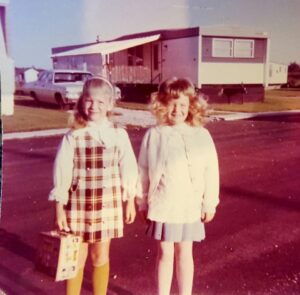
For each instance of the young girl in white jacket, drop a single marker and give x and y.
(179, 174)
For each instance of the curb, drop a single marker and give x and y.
(31, 134)
(240, 116)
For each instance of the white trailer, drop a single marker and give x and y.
(228, 63)
(278, 75)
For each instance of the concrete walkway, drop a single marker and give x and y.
(139, 116)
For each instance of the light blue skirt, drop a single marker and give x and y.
(176, 232)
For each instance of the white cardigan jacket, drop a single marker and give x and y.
(205, 171)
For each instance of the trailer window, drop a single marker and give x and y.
(63, 77)
(139, 56)
(243, 48)
(136, 56)
(239, 48)
(222, 47)
(130, 56)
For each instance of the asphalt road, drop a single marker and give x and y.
(252, 246)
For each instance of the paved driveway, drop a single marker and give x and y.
(252, 246)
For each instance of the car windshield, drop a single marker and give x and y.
(71, 77)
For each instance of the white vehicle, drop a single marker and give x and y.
(118, 93)
(63, 87)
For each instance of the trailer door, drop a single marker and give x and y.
(156, 63)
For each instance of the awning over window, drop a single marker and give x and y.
(108, 47)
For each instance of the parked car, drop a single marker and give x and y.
(57, 86)
(118, 94)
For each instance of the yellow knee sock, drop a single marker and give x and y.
(73, 285)
(100, 279)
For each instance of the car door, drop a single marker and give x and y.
(49, 90)
(38, 86)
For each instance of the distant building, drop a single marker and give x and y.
(6, 66)
(278, 74)
(25, 75)
(228, 63)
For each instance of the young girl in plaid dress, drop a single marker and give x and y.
(180, 180)
(95, 169)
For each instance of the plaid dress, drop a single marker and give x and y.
(94, 209)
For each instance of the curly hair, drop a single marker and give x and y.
(79, 118)
(171, 89)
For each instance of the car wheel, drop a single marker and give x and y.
(34, 96)
(60, 101)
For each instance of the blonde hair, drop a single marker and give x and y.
(79, 118)
(171, 89)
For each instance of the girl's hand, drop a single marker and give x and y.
(130, 212)
(61, 218)
(207, 217)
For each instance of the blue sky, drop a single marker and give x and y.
(35, 26)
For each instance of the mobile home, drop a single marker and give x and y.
(278, 75)
(7, 74)
(228, 63)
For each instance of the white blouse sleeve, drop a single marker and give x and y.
(63, 170)
(144, 181)
(128, 167)
(211, 177)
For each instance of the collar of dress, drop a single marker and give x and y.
(182, 128)
(102, 132)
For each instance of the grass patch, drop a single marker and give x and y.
(28, 117)
(275, 100)
(284, 93)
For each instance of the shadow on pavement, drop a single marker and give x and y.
(14, 280)
(14, 244)
(28, 154)
(281, 203)
(292, 118)
(276, 271)
(87, 285)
